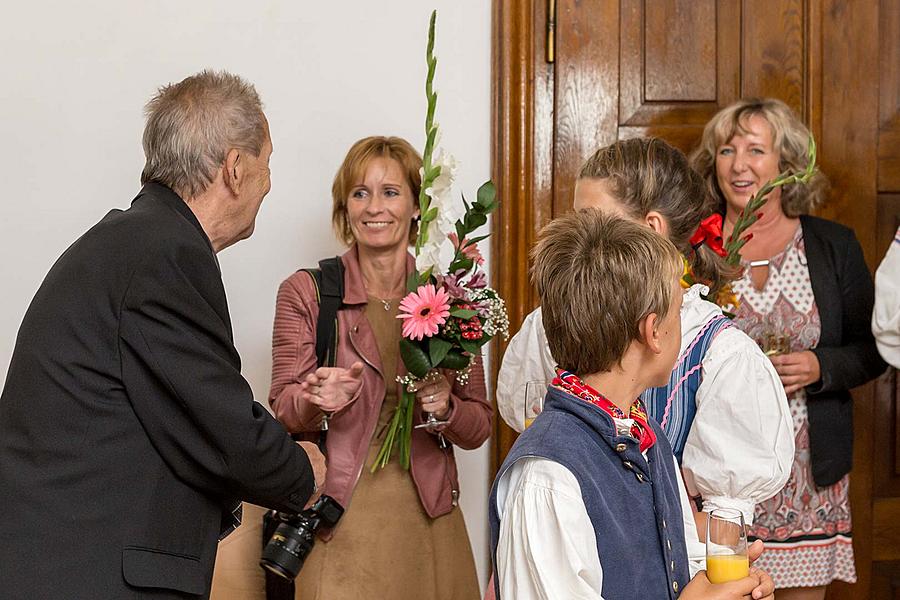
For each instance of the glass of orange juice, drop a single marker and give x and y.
(726, 546)
(534, 400)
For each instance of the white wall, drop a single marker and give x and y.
(74, 78)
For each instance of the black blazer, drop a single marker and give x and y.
(844, 293)
(126, 429)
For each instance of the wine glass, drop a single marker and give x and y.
(776, 338)
(534, 400)
(726, 546)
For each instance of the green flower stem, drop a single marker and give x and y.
(399, 433)
(750, 214)
(409, 400)
(429, 171)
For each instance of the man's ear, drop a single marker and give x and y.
(233, 171)
(657, 223)
(649, 330)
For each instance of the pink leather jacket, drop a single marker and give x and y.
(293, 356)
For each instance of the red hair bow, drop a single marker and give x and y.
(710, 233)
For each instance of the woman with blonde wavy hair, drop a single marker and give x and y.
(806, 297)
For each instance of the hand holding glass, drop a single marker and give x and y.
(776, 338)
(726, 546)
(534, 400)
(431, 421)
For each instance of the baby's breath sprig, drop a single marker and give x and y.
(750, 214)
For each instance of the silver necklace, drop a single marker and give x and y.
(387, 304)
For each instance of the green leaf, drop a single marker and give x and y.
(461, 263)
(471, 346)
(414, 358)
(474, 221)
(438, 349)
(429, 142)
(475, 240)
(460, 230)
(431, 215)
(412, 282)
(455, 360)
(463, 313)
(486, 193)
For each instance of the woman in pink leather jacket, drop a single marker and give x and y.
(402, 535)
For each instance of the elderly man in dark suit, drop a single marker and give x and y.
(127, 434)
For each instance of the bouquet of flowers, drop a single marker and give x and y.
(449, 313)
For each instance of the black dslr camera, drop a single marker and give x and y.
(295, 535)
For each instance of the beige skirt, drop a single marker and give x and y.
(385, 546)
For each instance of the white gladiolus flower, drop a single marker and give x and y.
(429, 255)
(438, 252)
(441, 195)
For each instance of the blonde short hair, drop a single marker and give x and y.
(598, 276)
(790, 139)
(351, 171)
(191, 126)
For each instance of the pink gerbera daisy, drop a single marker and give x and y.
(425, 310)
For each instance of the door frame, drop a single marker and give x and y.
(522, 139)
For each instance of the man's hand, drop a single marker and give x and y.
(332, 388)
(796, 369)
(317, 460)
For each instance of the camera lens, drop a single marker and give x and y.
(286, 551)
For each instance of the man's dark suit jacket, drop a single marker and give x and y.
(126, 429)
(844, 292)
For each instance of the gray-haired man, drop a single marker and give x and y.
(127, 433)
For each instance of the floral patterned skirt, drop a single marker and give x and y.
(806, 529)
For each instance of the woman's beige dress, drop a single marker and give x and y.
(385, 546)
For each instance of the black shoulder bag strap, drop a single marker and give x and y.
(329, 280)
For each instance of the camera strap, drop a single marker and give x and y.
(329, 282)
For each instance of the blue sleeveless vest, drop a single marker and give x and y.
(633, 503)
(674, 405)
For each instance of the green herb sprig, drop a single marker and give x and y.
(750, 214)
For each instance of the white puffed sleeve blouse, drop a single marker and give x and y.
(741, 444)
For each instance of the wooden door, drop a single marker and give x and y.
(573, 75)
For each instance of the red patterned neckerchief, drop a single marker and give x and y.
(640, 429)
